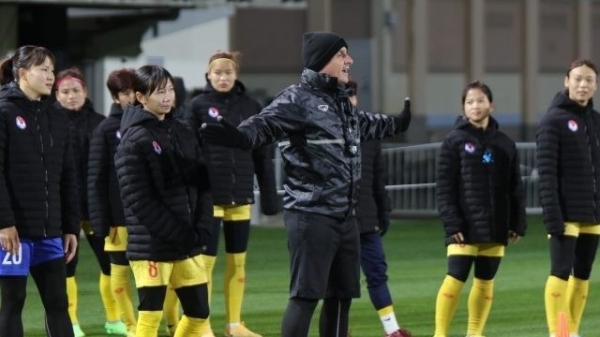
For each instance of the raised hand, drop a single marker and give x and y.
(223, 133)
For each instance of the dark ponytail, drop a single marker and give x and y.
(6, 72)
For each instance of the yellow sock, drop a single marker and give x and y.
(72, 296)
(171, 307)
(110, 306)
(480, 304)
(209, 266)
(555, 298)
(121, 287)
(446, 303)
(235, 281)
(189, 326)
(148, 323)
(577, 293)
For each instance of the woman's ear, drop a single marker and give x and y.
(139, 97)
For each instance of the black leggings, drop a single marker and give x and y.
(236, 235)
(194, 299)
(49, 277)
(573, 254)
(97, 244)
(486, 267)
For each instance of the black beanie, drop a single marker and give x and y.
(319, 47)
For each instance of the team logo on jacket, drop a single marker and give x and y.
(156, 147)
(118, 134)
(21, 123)
(572, 125)
(213, 112)
(469, 147)
(323, 107)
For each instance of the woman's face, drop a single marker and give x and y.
(38, 80)
(160, 102)
(71, 93)
(582, 83)
(477, 107)
(125, 97)
(222, 75)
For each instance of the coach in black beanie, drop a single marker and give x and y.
(319, 47)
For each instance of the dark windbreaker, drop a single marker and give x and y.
(164, 188)
(479, 190)
(38, 188)
(321, 134)
(568, 161)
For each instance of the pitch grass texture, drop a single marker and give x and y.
(417, 265)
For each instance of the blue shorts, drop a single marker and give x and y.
(31, 253)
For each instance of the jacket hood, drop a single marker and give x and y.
(462, 123)
(115, 110)
(135, 115)
(562, 101)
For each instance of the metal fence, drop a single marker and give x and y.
(411, 178)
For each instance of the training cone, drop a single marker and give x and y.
(562, 327)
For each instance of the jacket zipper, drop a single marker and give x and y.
(42, 158)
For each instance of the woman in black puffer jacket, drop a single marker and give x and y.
(232, 174)
(38, 192)
(167, 203)
(481, 204)
(568, 159)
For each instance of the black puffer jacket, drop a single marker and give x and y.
(104, 198)
(38, 188)
(164, 188)
(479, 190)
(321, 136)
(83, 123)
(374, 202)
(568, 160)
(232, 170)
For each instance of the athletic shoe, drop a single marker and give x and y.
(77, 332)
(400, 333)
(239, 331)
(115, 328)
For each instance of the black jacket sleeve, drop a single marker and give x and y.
(447, 190)
(98, 183)
(547, 152)
(518, 222)
(7, 217)
(69, 191)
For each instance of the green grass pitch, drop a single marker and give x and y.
(417, 264)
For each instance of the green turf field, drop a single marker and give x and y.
(416, 259)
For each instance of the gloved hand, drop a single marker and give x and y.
(188, 242)
(224, 134)
(384, 222)
(269, 205)
(403, 120)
